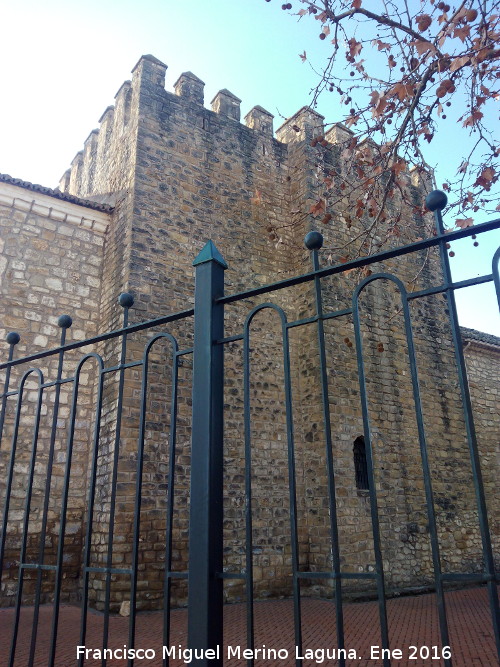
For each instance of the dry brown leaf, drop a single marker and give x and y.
(463, 223)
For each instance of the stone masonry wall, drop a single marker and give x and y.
(200, 174)
(177, 175)
(51, 255)
(482, 359)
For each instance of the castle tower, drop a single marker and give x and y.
(173, 174)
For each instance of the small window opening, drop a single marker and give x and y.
(360, 464)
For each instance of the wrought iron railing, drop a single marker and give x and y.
(205, 573)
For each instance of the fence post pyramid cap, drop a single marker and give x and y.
(209, 253)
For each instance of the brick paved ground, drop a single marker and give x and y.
(412, 622)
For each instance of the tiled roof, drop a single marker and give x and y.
(479, 336)
(5, 178)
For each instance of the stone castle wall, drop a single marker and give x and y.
(178, 174)
(482, 358)
(50, 265)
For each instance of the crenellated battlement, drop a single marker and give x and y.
(189, 86)
(260, 119)
(106, 163)
(119, 122)
(203, 165)
(302, 126)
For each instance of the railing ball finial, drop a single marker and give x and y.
(64, 322)
(436, 200)
(13, 338)
(126, 300)
(313, 241)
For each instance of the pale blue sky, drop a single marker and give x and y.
(62, 63)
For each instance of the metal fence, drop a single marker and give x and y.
(205, 573)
